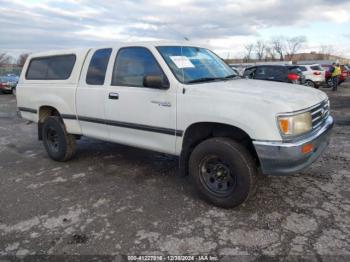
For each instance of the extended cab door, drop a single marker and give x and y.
(137, 114)
(91, 93)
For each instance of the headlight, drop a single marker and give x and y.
(295, 124)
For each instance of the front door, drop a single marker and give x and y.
(138, 115)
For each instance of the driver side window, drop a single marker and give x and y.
(132, 65)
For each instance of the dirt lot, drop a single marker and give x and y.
(113, 199)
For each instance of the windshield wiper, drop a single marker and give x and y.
(204, 79)
(207, 79)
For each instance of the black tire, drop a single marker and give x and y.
(59, 145)
(235, 170)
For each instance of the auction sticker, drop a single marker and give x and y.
(182, 61)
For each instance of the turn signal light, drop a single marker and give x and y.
(284, 125)
(307, 148)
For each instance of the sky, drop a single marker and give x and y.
(225, 26)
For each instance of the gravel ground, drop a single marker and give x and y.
(113, 200)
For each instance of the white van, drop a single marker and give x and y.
(177, 99)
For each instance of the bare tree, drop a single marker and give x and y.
(270, 53)
(22, 59)
(293, 45)
(249, 49)
(260, 47)
(4, 59)
(279, 46)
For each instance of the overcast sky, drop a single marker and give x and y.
(225, 25)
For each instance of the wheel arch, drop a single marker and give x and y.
(44, 112)
(198, 132)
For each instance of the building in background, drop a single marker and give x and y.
(317, 58)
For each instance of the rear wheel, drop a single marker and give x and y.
(224, 172)
(59, 145)
(310, 83)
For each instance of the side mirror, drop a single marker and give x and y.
(155, 81)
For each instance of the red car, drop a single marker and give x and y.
(345, 73)
(8, 84)
(347, 68)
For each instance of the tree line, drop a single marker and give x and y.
(282, 48)
(6, 59)
(276, 49)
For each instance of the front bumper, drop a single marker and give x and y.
(283, 158)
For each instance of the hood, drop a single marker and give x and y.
(293, 97)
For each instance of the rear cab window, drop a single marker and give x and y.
(96, 73)
(51, 67)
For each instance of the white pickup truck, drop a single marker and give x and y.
(181, 100)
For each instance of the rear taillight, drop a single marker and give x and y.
(317, 73)
(293, 77)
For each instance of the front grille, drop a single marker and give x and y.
(319, 114)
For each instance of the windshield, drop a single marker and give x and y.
(194, 64)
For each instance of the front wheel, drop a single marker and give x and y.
(224, 172)
(59, 145)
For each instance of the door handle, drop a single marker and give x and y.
(113, 96)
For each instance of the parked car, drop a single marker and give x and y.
(328, 75)
(278, 73)
(8, 84)
(348, 69)
(179, 100)
(314, 75)
(345, 73)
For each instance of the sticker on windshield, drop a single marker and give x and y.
(182, 62)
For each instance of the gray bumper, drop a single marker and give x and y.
(283, 158)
